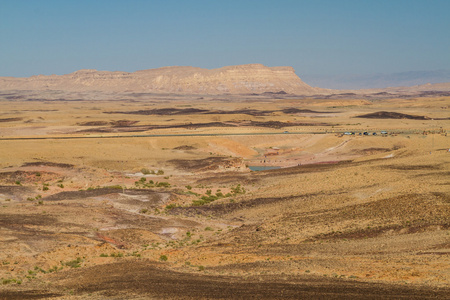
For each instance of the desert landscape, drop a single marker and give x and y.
(236, 183)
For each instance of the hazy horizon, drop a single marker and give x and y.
(330, 44)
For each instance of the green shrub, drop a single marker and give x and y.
(118, 254)
(163, 258)
(238, 190)
(199, 202)
(210, 198)
(114, 187)
(189, 187)
(76, 263)
(170, 206)
(145, 171)
(160, 172)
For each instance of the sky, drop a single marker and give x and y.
(330, 43)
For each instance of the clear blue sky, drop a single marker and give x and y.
(316, 37)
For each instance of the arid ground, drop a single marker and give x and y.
(141, 196)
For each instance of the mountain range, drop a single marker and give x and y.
(250, 79)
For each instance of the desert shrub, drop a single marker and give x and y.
(60, 185)
(163, 258)
(18, 182)
(12, 280)
(170, 206)
(76, 263)
(199, 202)
(103, 255)
(163, 184)
(160, 172)
(136, 254)
(143, 211)
(208, 229)
(118, 254)
(36, 268)
(145, 171)
(210, 198)
(54, 269)
(114, 187)
(238, 190)
(189, 187)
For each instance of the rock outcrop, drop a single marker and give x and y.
(241, 79)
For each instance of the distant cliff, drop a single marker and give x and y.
(241, 79)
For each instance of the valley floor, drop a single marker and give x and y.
(183, 217)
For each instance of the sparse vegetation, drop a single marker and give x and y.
(145, 171)
(76, 263)
(170, 206)
(163, 258)
(116, 254)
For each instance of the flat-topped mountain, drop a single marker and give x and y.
(241, 79)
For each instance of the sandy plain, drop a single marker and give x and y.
(84, 213)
